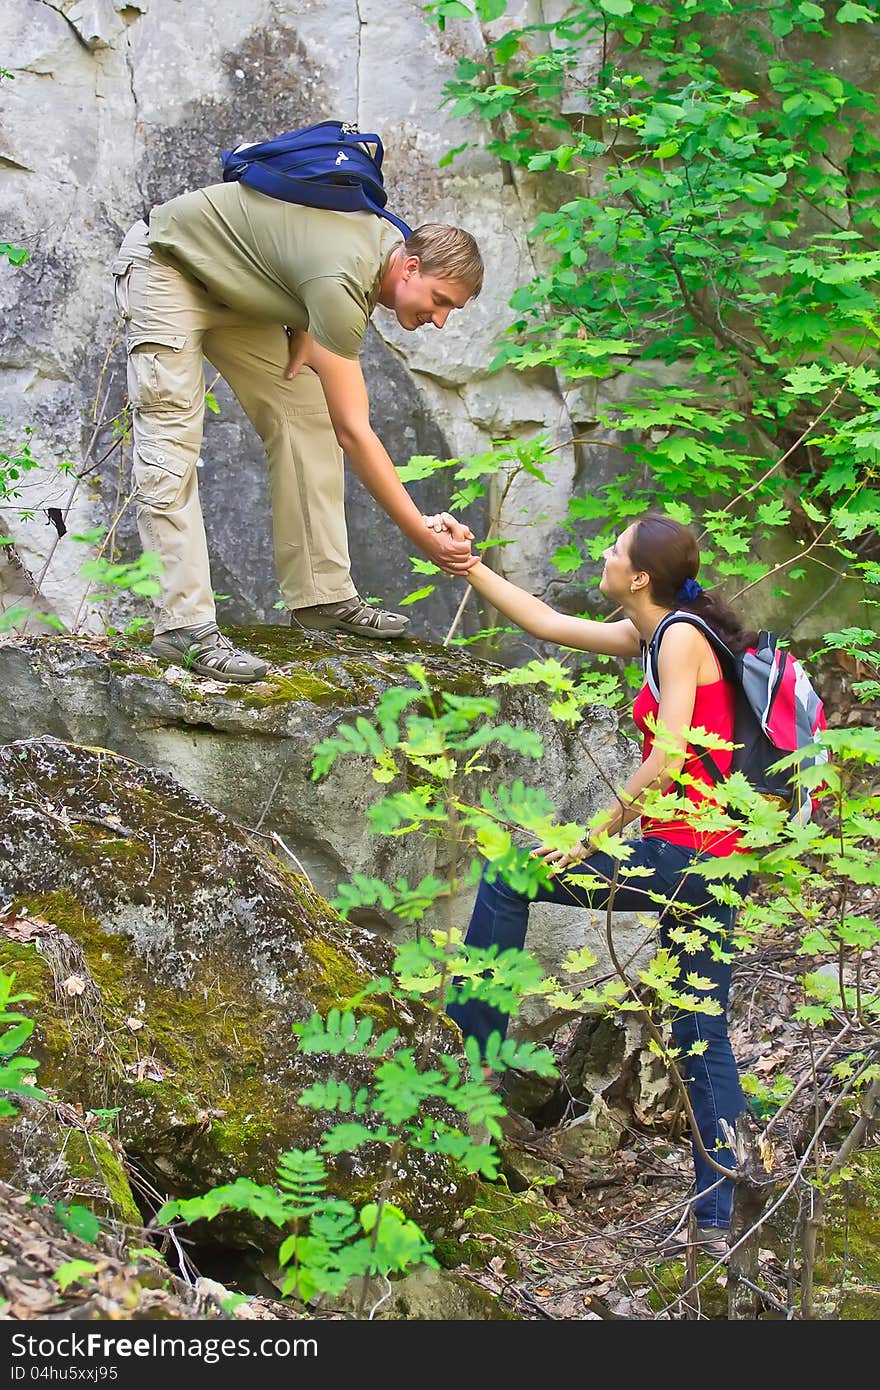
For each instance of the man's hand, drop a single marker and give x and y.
(299, 345)
(450, 538)
(452, 553)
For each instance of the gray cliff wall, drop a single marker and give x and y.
(112, 107)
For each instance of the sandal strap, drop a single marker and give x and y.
(214, 650)
(364, 614)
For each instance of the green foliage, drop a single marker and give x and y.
(415, 1098)
(330, 1243)
(15, 1070)
(15, 465)
(79, 1221)
(765, 1099)
(141, 576)
(725, 232)
(73, 1272)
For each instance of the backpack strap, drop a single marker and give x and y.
(334, 197)
(651, 665)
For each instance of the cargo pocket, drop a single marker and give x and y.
(159, 473)
(158, 373)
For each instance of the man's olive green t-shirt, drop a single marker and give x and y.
(276, 261)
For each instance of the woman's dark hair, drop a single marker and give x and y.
(669, 553)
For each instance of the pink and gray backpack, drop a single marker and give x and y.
(777, 712)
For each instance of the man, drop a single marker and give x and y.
(277, 296)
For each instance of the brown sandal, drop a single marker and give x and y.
(350, 615)
(206, 652)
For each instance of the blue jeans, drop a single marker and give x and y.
(500, 918)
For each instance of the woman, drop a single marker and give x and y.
(649, 572)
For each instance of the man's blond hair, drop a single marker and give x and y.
(449, 253)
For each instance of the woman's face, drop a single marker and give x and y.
(618, 574)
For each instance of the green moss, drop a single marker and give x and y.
(93, 843)
(32, 973)
(50, 1040)
(336, 980)
(92, 1159)
(665, 1283)
(138, 667)
(298, 688)
(859, 1305)
(195, 1034)
(501, 1214)
(850, 1246)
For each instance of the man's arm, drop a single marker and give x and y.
(346, 394)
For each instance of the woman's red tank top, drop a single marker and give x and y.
(713, 711)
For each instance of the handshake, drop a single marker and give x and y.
(448, 543)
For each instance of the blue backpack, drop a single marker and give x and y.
(327, 165)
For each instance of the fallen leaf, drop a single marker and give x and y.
(74, 984)
(147, 1069)
(771, 1062)
(25, 928)
(27, 1300)
(134, 1024)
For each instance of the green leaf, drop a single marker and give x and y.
(73, 1272)
(855, 14)
(417, 594)
(490, 9)
(79, 1221)
(14, 1038)
(567, 558)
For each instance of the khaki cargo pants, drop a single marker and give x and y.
(171, 323)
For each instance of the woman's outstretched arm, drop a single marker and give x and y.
(679, 661)
(538, 618)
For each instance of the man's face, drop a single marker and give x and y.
(421, 299)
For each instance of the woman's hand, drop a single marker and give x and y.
(560, 859)
(444, 521)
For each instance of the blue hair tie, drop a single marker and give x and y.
(689, 592)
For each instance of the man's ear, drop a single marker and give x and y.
(410, 265)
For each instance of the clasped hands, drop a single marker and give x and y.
(449, 543)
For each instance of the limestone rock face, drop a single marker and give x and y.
(169, 958)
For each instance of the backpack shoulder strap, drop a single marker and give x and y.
(651, 651)
(650, 661)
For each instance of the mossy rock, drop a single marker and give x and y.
(425, 1295)
(250, 750)
(167, 980)
(664, 1285)
(489, 1228)
(849, 1250)
(42, 1153)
